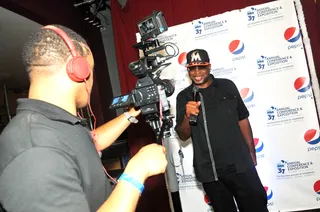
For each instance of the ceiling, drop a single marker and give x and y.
(14, 32)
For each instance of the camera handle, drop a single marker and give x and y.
(165, 128)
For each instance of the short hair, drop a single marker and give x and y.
(46, 48)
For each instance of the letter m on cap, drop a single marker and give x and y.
(195, 56)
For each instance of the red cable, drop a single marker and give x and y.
(94, 136)
(160, 117)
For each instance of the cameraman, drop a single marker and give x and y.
(48, 159)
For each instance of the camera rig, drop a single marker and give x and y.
(151, 92)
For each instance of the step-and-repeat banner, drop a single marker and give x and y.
(260, 48)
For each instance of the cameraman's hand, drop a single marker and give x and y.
(133, 112)
(150, 160)
(192, 108)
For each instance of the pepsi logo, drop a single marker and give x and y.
(182, 59)
(269, 192)
(302, 84)
(316, 187)
(292, 34)
(312, 136)
(207, 200)
(236, 47)
(246, 94)
(258, 144)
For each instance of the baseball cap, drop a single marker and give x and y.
(197, 57)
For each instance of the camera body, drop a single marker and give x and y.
(151, 92)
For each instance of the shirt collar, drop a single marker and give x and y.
(51, 111)
(214, 81)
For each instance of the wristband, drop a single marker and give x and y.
(132, 181)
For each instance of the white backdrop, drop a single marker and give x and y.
(260, 48)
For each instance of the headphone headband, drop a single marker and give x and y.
(78, 68)
(65, 38)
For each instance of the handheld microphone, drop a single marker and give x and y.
(193, 118)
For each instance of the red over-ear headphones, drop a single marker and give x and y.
(78, 68)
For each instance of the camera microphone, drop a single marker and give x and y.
(193, 118)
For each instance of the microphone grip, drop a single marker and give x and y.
(192, 119)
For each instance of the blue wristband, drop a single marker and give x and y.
(133, 181)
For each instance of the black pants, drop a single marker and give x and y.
(245, 188)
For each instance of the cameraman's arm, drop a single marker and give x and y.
(110, 131)
(149, 161)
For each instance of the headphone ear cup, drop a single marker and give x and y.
(78, 69)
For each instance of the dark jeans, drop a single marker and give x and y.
(246, 188)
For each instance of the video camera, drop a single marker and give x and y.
(151, 92)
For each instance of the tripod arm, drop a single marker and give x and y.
(165, 128)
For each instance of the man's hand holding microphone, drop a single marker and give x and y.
(192, 111)
(192, 107)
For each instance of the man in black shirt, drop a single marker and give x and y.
(224, 154)
(49, 159)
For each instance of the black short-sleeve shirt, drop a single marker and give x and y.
(48, 162)
(224, 109)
